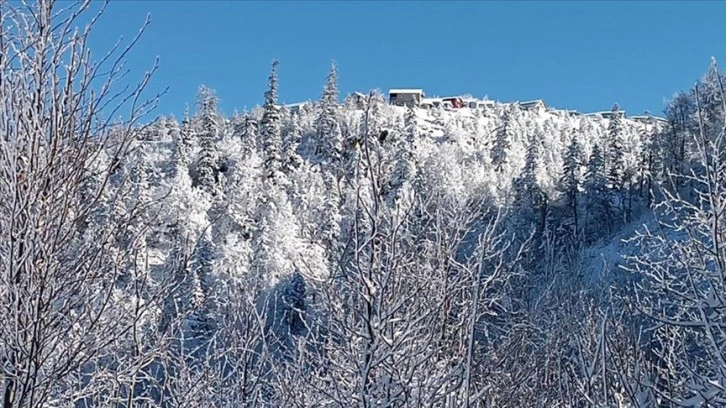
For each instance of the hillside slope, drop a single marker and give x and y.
(451, 153)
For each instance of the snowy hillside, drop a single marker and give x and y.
(452, 152)
(310, 209)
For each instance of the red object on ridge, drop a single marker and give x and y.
(455, 102)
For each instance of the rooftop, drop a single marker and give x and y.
(294, 105)
(399, 91)
(646, 117)
(607, 113)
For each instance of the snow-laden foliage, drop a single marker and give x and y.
(336, 254)
(344, 237)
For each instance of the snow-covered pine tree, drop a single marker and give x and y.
(177, 269)
(596, 189)
(615, 159)
(680, 112)
(271, 129)
(404, 167)
(187, 134)
(647, 161)
(529, 198)
(202, 319)
(180, 158)
(207, 166)
(328, 132)
(291, 160)
(250, 134)
(502, 141)
(293, 297)
(331, 218)
(571, 177)
(711, 102)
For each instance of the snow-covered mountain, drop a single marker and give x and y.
(273, 196)
(451, 151)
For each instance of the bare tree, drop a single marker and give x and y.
(681, 279)
(71, 330)
(233, 369)
(397, 319)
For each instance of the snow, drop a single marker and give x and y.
(262, 232)
(604, 258)
(406, 91)
(532, 103)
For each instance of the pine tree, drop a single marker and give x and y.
(404, 166)
(328, 132)
(647, 161)
(595, 180)
(711, 99)
(176, 267)
(202, 320)
(410, 123)
(680, 112)
(141, 190)
(616, 152)
(529, 197)
(180, 154)
(331, 218)
(502, 141)
(293, 297)
(271, 128)
(207, 176)
(250, 134)
(617, 172)
(187, 133)
(275, 226)
(330, 92)
(528, 180)
(207, 102)
(285, 315)
(596, 188)
(183, 140)
(291, 160)
(570, 180)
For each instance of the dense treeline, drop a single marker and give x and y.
(348, 254)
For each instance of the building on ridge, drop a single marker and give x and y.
(406, 97)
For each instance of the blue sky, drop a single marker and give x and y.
(578, 55)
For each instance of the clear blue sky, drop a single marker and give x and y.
(578, 55)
